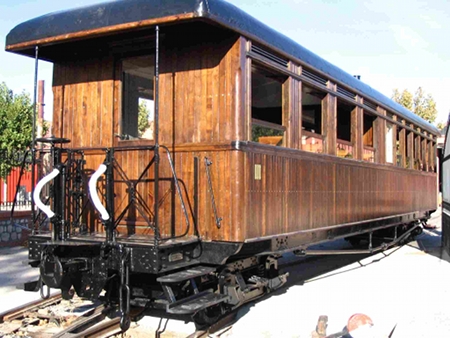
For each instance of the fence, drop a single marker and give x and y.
(10, 163)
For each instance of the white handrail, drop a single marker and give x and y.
(93, 192)
(37, 192)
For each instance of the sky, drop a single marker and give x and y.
(392, 44)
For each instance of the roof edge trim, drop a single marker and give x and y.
(100, 31)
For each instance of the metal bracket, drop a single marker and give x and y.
(124, 295)
(218, 219)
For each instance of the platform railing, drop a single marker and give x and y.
(70, 198)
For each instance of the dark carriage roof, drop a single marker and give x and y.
(129, 11)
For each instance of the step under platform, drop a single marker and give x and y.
(180, 276)
(195, 303)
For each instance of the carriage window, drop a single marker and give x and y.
(389, 143)
(312, 119)
(343, 129)
(369, 151)
(267, 106)
(137, 101)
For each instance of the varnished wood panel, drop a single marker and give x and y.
(411, 153)
(357, 129)
(201, 92)
(83, 102)
(329, 121)
(402, 145)
(379, 137)
(292, 115)
(308, 191)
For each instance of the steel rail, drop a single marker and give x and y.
(19, 311)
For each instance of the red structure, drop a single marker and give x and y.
(8, 190)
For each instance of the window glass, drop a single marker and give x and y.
(267, 106)
(398, 147)
(312, 109)
(138, 98)
(344, 147)
(344, 113)
(368, 151)
(312, 119)
(368, 129)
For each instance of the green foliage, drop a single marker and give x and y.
(143, 123)
(420, 103)
(16, 112)
(259, 131)
(440, 125)
(405, 98)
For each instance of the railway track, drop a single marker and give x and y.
(58, 318)
(55, 317)
(50, 318)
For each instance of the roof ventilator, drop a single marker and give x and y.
(370, 105)
(267, 55)
(346, 93)
(314, 77)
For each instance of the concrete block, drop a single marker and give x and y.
(18, 229)
(19, 236)
(10, 228)
(13, 236)
(2, 228)
(5, 237)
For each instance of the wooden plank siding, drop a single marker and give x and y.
(357, 130)
(200, 87)
(83, 102)
(205, 94)
(324, 191)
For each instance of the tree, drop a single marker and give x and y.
(143, 123)
(420, 103)
(16, 113)
(440, 125)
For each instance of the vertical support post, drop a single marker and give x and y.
(403, 145)
(329, 121)
(432, 155)
(248, 93)
(410, 140)
(379, 137)
(357, 130)
(33, 142)
(109, 224)
(425, 152)
(57, 195)
(196, 205)
(291, 111)
(395, 162)
(417, 151)
(64, 233)
(156, 149)
(298, 90)
(286, 99)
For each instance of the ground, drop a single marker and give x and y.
(405, 287)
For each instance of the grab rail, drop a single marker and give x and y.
(93, 192)
(37, 191)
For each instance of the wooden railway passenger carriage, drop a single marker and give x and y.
(223, 144)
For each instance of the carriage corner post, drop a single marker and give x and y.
(188, 82)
